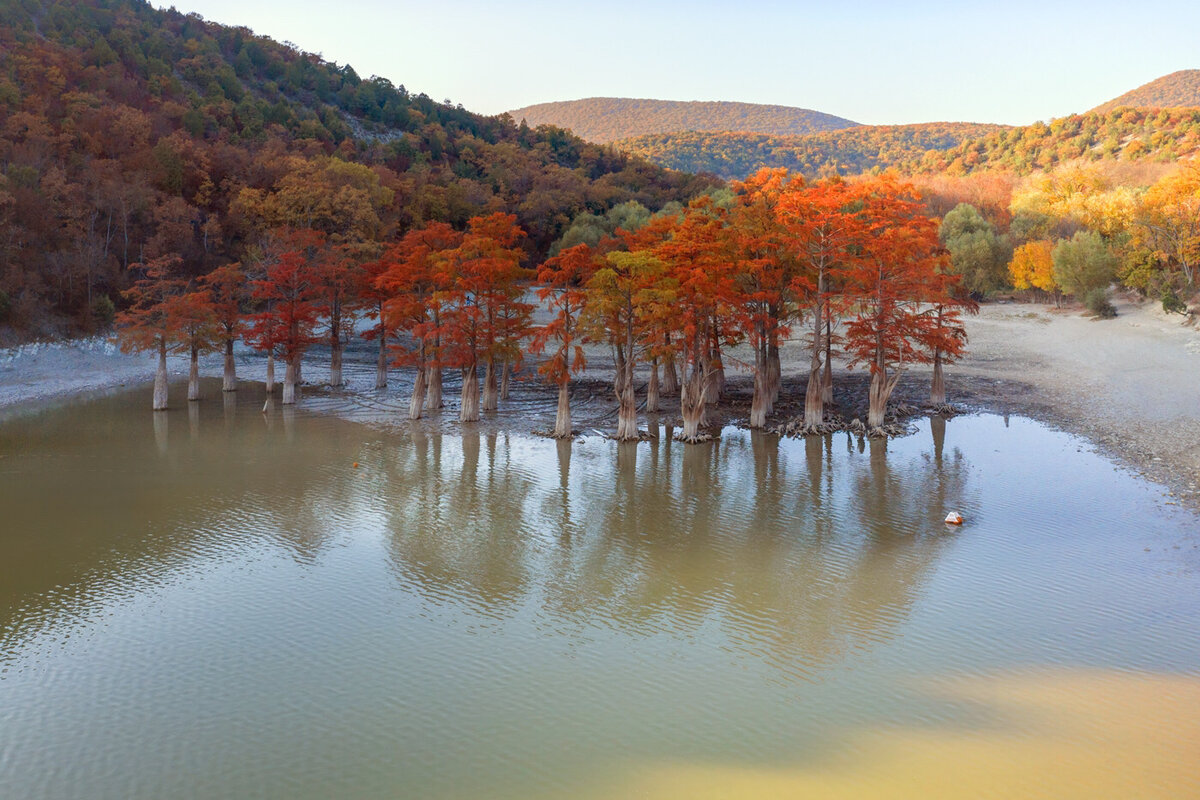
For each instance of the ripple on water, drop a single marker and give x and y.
(484, 614)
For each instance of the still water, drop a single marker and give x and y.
(215, 603)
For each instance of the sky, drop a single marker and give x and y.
(872, 62)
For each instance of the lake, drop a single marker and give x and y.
(214, 602)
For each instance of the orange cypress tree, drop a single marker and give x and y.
(562, 280)
(823, 222)
(483, 318)
(150, 322)
(893, 282)
(766, 270)
(408, 281)
(226, 286)
(291, 293)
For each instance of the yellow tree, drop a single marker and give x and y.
(1168, 222)
(1032, 267)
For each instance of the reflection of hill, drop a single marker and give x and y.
(797, 551)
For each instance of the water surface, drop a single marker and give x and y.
(214, 602)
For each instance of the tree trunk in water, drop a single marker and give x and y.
(416, 403)
(760, 405)
(335, 363)
(774, 372)
(937, 390)
(814, 408)
(827, 383)
(505, 372)
(880, 391)
(691, 403)
(469, 411)
(619, 376)
(652, 403)
(670, 385)
(160, 379)
(381, 364)
(270, 383)
(489, 386)
(290, 378)
(562, 422)
(827, 377)
(229, 382)
(627, 413)
(433, 389)
(717, 369)
(194, 375)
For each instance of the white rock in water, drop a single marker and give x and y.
(954, 518)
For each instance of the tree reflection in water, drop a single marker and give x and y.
(796, 553)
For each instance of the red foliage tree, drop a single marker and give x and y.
(896, 287)
(292, 294)
(563, 279)
(483, 317)
(149, 323)
(825, 225)
(227, 290)
(407, 281)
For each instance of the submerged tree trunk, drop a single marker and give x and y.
(619, 373)
(270, 382)
(335, 362)
(880, 392)
(416, 403)
(160, 378)
(290, 379)
(489, 385)
(670, 384)
(433, 388)
(937, 389)
(229, 380)
(774, 372)
(469, 410)
(761, 405)
(814, 407)
(652, 388)
(691, 403)
(381, 363)
(827, 374)
(194, 374)
(717, 370)
(627, 403)
(505, 372)
(562, 421)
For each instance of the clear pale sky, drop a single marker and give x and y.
(872, 62)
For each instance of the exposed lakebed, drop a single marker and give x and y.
(215, 602)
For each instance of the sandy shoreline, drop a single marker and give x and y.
(1131, 384)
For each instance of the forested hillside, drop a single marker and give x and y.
(847, 152)
(1177, 90)
(1125, 134)
(129, 133)
(605, 119)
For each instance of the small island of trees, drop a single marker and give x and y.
(672, 292)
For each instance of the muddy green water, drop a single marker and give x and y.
(216, 603)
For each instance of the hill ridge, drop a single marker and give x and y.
(1179, 89)
(606, 119)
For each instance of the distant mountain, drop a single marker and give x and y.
(847, 152)
(1177, 90)
(605, 119)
